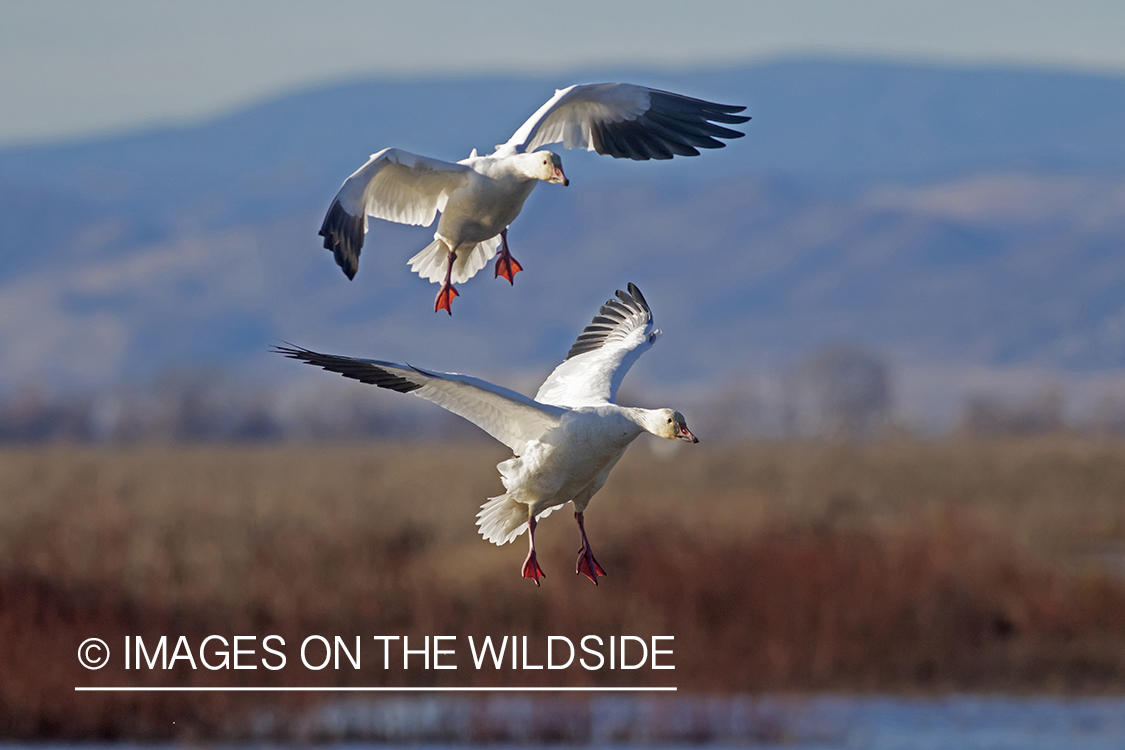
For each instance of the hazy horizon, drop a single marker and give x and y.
(76, 70)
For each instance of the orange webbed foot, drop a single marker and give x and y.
(588, 566)
(586, 563)
(531, 568)
(445, 298)
(507, 267)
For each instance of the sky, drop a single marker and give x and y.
(73, 68)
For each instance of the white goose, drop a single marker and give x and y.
(480, 196)
(565, 441)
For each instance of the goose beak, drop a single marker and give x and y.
(683, 433)
(558, 178)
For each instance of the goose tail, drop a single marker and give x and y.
(502, 519)
(430, 263)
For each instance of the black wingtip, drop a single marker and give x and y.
(343, 235)
(673, 125)
(611, 314)
(634, 297)
(364, 371)
(636, 294)
(291, 351)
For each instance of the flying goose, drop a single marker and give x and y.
(480, 196)
(565, 440)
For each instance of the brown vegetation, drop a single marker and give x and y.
(898, 566)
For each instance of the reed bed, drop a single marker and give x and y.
(778, 567)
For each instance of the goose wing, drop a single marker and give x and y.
(595, 366)
(510, 417)
(627, 121)
(395, 185)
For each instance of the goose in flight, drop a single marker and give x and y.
(480, 196)
(565, 440)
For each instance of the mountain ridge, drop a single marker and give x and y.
(937, 216)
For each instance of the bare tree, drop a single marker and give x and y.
(32, 416)
(841, 392)
(992, 416)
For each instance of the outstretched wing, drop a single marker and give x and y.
(627, 121)
(394, 185)
(595, 366)
(510, 417)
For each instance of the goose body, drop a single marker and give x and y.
(479, 197)
(569, 464)
(565, 441)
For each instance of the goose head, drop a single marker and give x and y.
(546, 166)
(670, 425)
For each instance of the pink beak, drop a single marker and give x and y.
(559, 178)
(683, 433)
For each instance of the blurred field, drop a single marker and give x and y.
(894, 566)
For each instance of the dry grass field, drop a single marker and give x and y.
(894, 566)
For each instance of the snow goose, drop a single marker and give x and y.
(565, 440)
(480, 196)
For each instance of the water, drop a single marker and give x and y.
(965, 722)
(878, 723)
(795, 723)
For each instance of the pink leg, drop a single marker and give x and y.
(586, 562)
(531, 567)
(447, 293)
(506, 265)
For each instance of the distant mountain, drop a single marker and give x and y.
(942, 217)
(813, 118)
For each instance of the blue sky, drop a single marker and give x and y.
(71, 68)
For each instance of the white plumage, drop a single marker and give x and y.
(479, 197)
(565, 441)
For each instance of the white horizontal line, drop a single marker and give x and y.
(145, 689)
